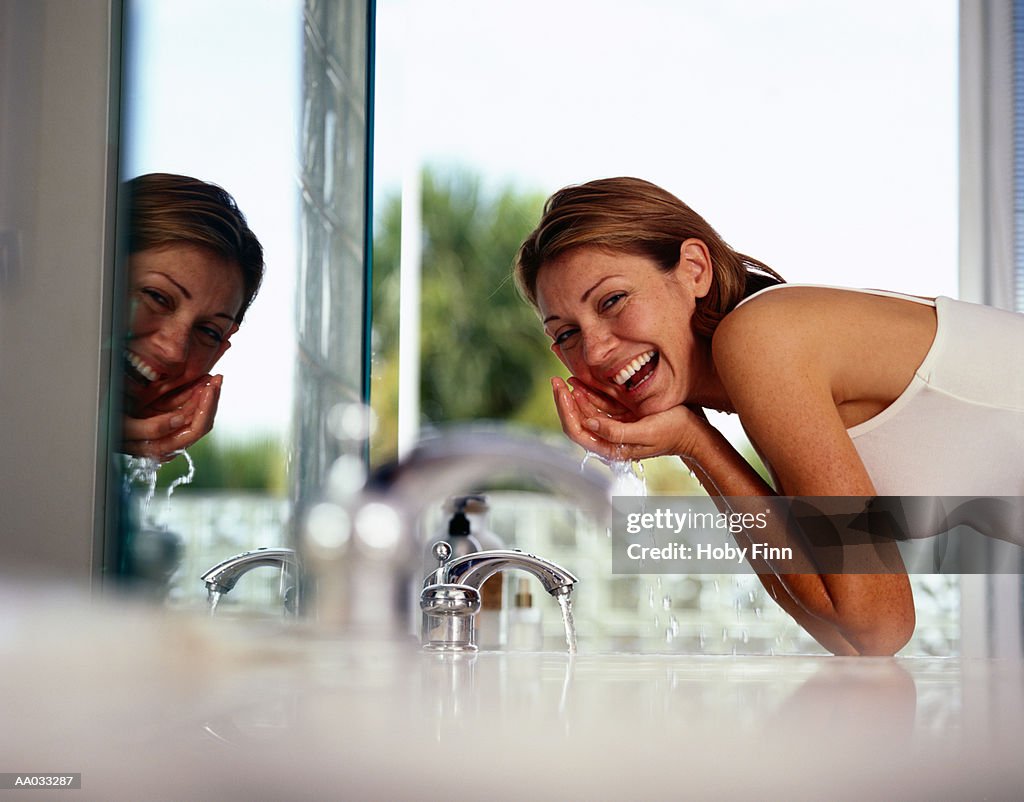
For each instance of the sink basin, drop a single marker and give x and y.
(149, 705)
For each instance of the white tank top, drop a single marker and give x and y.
(958, 427)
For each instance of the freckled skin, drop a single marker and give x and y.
(184, 301)
(602, 310)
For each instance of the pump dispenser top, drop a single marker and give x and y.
(458, 526)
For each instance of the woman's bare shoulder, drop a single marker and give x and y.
(795, 315)
(779, 319)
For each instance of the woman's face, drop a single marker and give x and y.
(622, 325)
(184, 300)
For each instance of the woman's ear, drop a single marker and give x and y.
(695, 264)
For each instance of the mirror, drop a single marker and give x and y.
(267, 100)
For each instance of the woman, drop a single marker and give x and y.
(194, 269)
(843, 393)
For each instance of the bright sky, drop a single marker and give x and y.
(820, 137)
(217, 87)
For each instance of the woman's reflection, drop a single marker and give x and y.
(855, 702)
(194, 268)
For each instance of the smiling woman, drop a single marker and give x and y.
(843, 392)
(194, 269)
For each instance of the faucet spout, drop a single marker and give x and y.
(461, 458)
(223, 577)
(474, 569)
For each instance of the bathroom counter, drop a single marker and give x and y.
(148, 705)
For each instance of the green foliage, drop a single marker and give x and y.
(483, 350)
(252, 464)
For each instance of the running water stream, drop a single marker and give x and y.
(143, 471)
(565, 603)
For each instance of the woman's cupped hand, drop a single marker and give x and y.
(174, 422)
(603, 426)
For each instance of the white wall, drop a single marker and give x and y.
(57, 164)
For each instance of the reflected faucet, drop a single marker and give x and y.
(451, 594)
(361, 546)
(223, 577)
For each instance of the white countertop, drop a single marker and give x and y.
(149, 705)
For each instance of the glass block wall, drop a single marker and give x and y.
(331, 303)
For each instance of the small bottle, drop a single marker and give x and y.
(525, 627)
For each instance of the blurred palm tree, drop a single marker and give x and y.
(483, 352)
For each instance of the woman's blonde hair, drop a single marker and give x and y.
(168, 209)
(630, 215)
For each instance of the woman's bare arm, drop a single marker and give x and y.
(784, 391)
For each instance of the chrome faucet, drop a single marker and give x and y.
(451, 594)
(361, 549)
(223, 577)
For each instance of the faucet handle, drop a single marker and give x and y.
(442, 552)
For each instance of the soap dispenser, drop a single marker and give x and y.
(466, 532)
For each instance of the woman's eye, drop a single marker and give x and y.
(563, 336)
(156, 297)
(611, 300)
(211, 334)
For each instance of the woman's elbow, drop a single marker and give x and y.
(889, 633)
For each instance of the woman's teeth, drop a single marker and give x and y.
(144, 370)
(630, 370)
